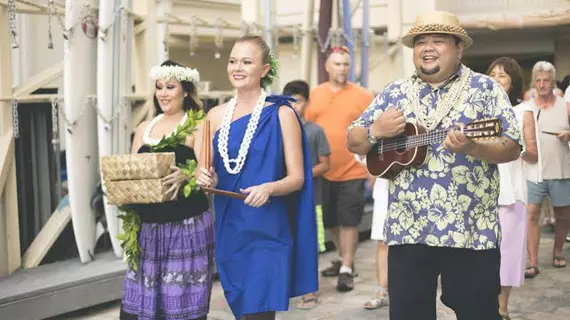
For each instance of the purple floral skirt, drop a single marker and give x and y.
(175, 273)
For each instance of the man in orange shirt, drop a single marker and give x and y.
(333, 106)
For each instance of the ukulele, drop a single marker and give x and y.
(389, 157)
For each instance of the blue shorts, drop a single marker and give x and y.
(557, 189)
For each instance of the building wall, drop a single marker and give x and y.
(210, 68)
(33, 55)
(562, 58)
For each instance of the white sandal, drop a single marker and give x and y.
(381, 300)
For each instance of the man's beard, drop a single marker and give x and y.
(431, 71)
(341, 80)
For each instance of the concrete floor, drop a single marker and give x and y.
(547, 297)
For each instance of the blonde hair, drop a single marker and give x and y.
(266, 57)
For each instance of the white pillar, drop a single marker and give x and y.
(163, 8)
(10, 258)
(307, 43)
(250, 11)
(80, 81)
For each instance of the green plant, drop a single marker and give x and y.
(189, 169)
(130, 240)
(182, 131)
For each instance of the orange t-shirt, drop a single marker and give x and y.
(334, 111)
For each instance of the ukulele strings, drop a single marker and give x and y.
(415, 141)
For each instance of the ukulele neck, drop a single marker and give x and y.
(408, 142)
(426, 139)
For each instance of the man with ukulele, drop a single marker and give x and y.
(442, 216)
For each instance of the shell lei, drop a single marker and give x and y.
(131, 220)
(247, 138)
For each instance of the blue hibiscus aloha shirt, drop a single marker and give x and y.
(452, 200)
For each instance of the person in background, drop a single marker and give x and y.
(550, 175)
(320, 161)
(380, 194)
(512, 196)
(566, 87)
(333, 106)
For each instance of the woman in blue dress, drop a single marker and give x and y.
(266, 245)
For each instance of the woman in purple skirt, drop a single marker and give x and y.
(513, 196)
(175, 268)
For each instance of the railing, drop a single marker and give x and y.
(471, 7)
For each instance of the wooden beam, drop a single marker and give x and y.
(139, 28)
(40, 80)
(34, 98)
(46, 237)
(6, 155)
(136, 17)
(10, 258)
(33, 8)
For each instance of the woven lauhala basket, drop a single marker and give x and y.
(136, 191)
(136, 166)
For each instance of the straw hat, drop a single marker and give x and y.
(437, 22)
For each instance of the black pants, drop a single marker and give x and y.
(469, 279)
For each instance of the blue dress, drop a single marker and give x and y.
(265, 255)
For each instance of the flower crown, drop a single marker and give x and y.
(174, 72)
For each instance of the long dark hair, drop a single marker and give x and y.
(514, 70)
(191, 101)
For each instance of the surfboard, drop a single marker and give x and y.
(79, 81)
(108, 110)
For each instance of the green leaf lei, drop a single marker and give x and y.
(131, 221)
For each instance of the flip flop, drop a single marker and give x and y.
(308, 303)
(559, 262)
(531, 272)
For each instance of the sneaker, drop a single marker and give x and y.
(333, 270)
(568, 238)
(345, 282)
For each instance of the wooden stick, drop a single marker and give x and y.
(225, 193)
(207, 147)
(207, 158)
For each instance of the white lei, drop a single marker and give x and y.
(245, 143)
(146, 136)
(433, 117)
